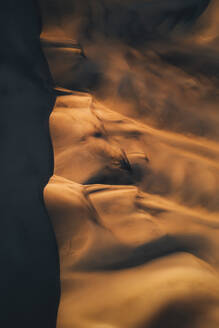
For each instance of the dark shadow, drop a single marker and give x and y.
(29, 274)
(178, 314)
(133, 257)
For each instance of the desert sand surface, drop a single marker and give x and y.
(135, 250)
(134, 199)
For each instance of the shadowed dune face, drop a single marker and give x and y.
(134, 198)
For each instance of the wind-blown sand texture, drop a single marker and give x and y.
(134, 199)
(132, 255)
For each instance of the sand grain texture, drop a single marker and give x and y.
(132, 254)
(134, 198)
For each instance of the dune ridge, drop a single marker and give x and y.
(134, 198)
(115, 230)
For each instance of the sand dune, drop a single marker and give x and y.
(136, 250)
(134, 199)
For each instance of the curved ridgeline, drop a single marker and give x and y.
(29, 275)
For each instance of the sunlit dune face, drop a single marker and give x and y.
(120, 242)
(65, 200)
(134, 199)
(77, 128)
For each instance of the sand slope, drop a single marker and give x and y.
(138, 243)
(135, 197)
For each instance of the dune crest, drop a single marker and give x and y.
(135, 197)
